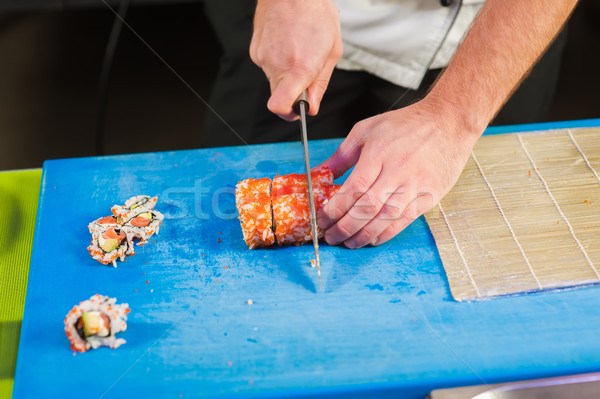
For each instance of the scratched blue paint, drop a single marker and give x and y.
(384, 325)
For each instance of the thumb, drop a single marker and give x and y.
(284, 92)
(345, 157)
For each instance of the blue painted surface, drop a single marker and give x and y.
(385, 324)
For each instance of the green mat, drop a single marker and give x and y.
(19, 193)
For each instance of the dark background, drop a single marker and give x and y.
(51, 54)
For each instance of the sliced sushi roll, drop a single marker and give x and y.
(323, 195)
(110, 244)
(143, 225)
(291, 215)
(291, 218)
(253, 202)
(103, 223)
(133, 207)
(95, 322)
(295, 183)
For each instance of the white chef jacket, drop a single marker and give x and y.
(400, 40)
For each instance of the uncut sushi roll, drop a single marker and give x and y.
(253, 202)
(133, 207)
(95, 322)
(110, 244)
(143, 226)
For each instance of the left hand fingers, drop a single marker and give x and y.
(391, 220)
(361, 179)
(366, 207)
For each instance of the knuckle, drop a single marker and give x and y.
(360, 128)
(337, 50)
(370, 201)
(344, 230)
(364, 237)
(409, 214)
(338, 208)
(359, 185)
(390, 212)
(366, 207)
(334, 208)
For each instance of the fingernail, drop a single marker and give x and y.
(374, 242)
(350, 244)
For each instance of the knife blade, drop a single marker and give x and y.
(301, 106)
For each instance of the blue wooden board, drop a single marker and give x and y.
(385, 324)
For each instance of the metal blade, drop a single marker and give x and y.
(303, 107)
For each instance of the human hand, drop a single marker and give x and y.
(406, 161)
(297, 44)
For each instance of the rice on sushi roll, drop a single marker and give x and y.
(133, 207)
(295, 183)
(291, 215)
(278, 210)
(103, 223)
(110, 244)
(113, 236)
(143, 225)
(95, 322)
(253, 201)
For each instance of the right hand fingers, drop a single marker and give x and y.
(285, 89)
(293, 80)
(316, 90)
(297, 45)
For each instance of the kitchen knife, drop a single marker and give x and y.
(301, 108)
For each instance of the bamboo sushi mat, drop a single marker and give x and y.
(524, 215)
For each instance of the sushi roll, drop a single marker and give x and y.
(143, 226)
(95, 322)
(253, 201)
(291, 215)
(295, 183)
(323, 194)
(133, 207)
(110, 244)
(291, 218)
(103, 223)
(279, 210)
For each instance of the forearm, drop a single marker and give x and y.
(505, 41)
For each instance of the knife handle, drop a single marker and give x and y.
(303, 97)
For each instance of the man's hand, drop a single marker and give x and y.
(406, 161)
(297, 44)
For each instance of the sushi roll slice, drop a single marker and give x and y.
(95, 322)
(323, 194)
(253, 202)
(291, 215)
(103, 223)
(291, 218)
(281, 207)
(133, 207)
(110, 244)
(295, 183)
(143, 226)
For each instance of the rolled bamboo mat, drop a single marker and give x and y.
(524, 215)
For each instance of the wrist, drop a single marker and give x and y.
(464, 121)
